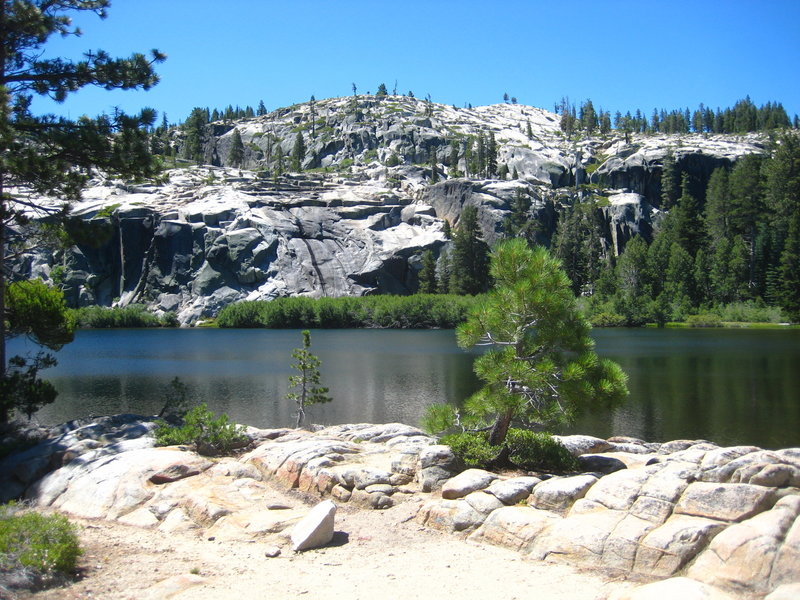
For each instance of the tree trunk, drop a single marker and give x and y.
(500, 428)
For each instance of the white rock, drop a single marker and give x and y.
(467, 482)
(316, 528)
(560, 493)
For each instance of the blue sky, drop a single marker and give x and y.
(622, 54)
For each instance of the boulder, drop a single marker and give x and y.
(436, 464)
(316, 528)
(467, 482)
(370, 476)
(724, 501)
(560, 493)
(483, 502)
(583, 444)
(511, 491)
(450, 515)
(619, 490)
(597, 463)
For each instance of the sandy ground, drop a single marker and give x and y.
(374, 554)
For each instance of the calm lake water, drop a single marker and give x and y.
(729, 386)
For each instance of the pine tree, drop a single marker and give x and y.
(443, 271)
(588, 117)
(634, 292)
(679, 277)
(382, 90)
(470, 159)
(454, 151)
(195, 131)
(306, 385)
(578, 245)
(434, 167)
(747, 204)
(470, 257)
(789, 270)
(541, 367)
(280, 165)
(236, 153)
(262, 109)
(298, 152)
(718, 206)
(427, 274)
(689, 228)
(491, 156)
(54, 156)
(480, 156)
(670, 189)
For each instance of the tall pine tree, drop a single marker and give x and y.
(54, 156)
(470, 256)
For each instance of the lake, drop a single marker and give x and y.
(728, 386)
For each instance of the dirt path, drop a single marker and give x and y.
(375, 554)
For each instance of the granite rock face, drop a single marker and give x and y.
(205, 237)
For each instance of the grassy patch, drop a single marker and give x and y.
(36, 548)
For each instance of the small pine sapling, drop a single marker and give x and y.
(305, 388)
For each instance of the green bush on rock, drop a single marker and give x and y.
(471, 447)
(528, 450)
(209, 434)
(532, 450)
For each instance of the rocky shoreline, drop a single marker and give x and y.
(690, 517)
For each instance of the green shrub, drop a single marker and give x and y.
(532, 450)
(133, 315)
(393, 160)
(419, 311)
(208, 433)
(43, 544)
(750, 312)
(472, 448)
(704, 320)
(607, 319)
(529, 450)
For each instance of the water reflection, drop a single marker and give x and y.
(729, 386)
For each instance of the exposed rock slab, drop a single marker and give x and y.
(668, 518)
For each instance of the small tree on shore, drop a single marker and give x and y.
(541, 367)
(305, 388)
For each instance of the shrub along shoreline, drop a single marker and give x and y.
(418, 311)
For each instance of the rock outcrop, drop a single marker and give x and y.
(711, 521)
(357, 223)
